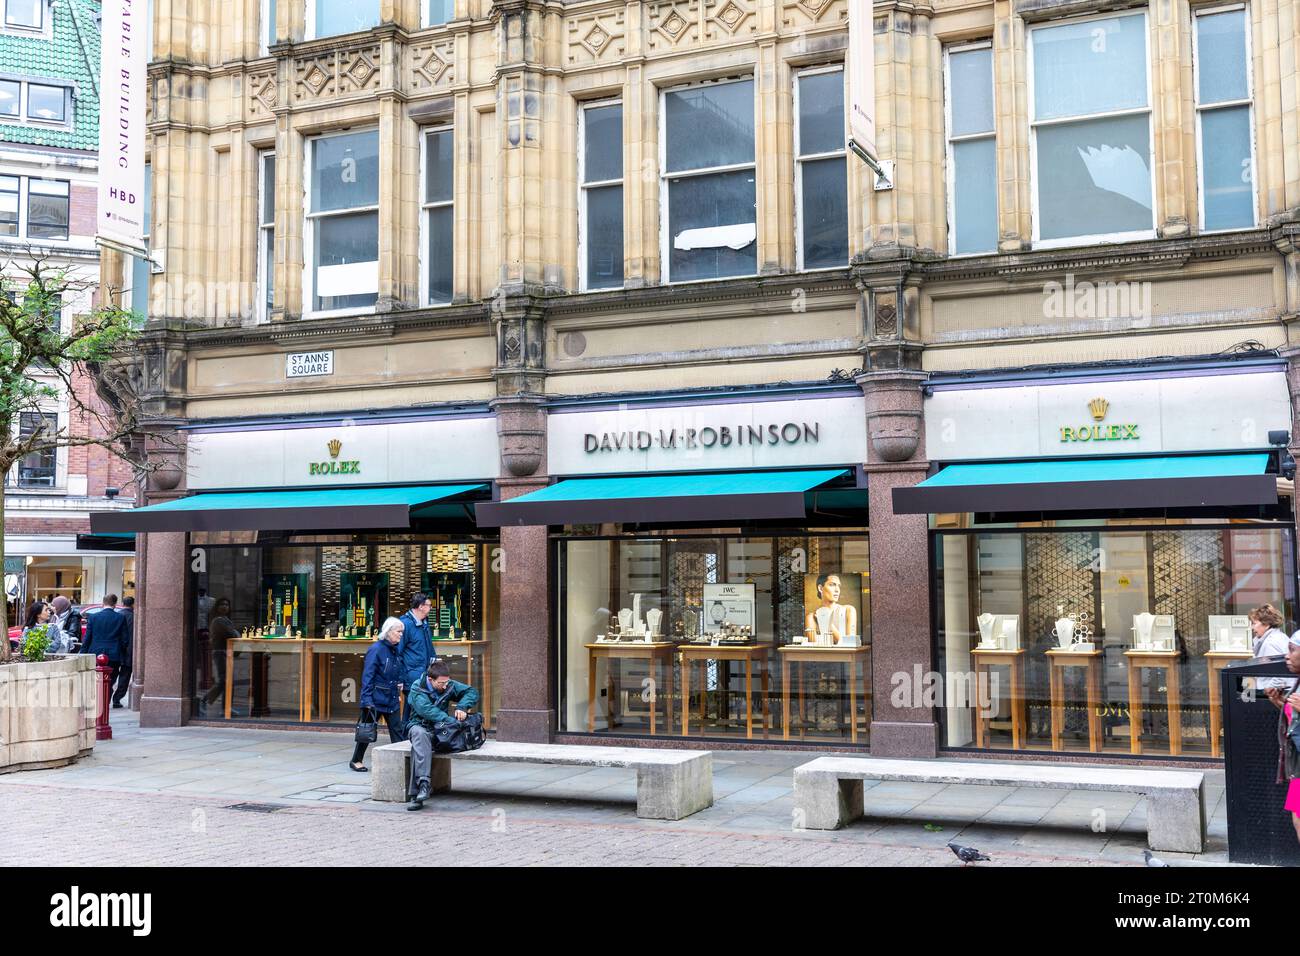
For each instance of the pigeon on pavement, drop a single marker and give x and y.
(967, 854)
(1152, 860)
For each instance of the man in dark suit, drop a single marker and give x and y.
(109, 632)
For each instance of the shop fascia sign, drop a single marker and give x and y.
(1200, 411)
(772, 434)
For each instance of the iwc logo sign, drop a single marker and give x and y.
(1098, 408)
(334, 467)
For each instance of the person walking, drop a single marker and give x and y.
(61, 636)
(416, 647)
(127, 610)
(381, 685)
(1288, 702)
(109, 633)
(427, 703)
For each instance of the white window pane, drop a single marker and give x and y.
(711, 224)
(975, 196)
(602, 141)
(438, 167)
(345, 171)
(1094, 177)
(824, 214)
(1221, 46)
(8, 206)
(349, 240)
(48, 187)
(268, 268)
(710, 126)
(47, 216)
(8, 98)
(441, 11)
(970, 91)
(345, 16)
(268, 29)
(821, 113)
(1225, 138)
(1090, 67)
(603, 237)
(441, 261)
(47, 102)
(25, 13)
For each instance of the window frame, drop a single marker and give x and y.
(23, 117)
(426, 15)
(310, 232)
(665, 178)
(950, 156)
(265, 238)
(583, 186)
(426, 209)
(1200, 110)
(1101, 238)
(800, 159)
(310, 25)
(24, 211)
(63, 121)
(266, 22)
(53, 454)
(44, 7)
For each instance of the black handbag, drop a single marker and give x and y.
(458, 736)
(367, 727)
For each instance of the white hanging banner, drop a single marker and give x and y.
(862, 83)
(123, 85)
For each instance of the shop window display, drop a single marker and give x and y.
(716, 635)
(1099, 637)
(279, 632)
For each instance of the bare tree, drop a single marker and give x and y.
(40, 359)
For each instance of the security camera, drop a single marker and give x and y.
(112, 492)
(1279, 437)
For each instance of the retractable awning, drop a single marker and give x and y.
(659, 499)
(314, 509)
(1094, 484)
(117, 541)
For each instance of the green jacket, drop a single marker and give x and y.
(426, 706)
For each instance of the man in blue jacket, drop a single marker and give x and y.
(109, 633)
(416, 647)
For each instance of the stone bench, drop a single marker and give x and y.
(670, 784)
(828, 790)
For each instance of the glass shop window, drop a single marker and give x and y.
(739, 637)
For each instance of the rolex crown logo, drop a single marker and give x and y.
(1098, 407)
(335, 446)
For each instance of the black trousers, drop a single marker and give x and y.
(395, 734)
(119, 681)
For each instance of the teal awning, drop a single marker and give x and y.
(659, 499)
(1094, 484)
(310, 508)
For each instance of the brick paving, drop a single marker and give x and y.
(169, 794)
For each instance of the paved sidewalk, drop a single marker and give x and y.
(170, 793)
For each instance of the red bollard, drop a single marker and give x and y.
(105, 671)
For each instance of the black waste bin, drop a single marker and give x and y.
(1259, 828)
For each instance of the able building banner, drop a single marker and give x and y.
(862, 83)
(123, 87)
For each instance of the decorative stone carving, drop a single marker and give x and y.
(674, 24)
(598, 37)
(801, 14)
(431, 64)
(894, 413)
(521, 429)
(336, 73)
(728, 18)
(263, 92)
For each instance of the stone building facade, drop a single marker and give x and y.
(1012, 240)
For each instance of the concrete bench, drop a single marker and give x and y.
(670, 784)
(828, 790)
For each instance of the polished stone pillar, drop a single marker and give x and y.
(900, 569)
(527, 711)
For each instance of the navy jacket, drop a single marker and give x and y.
(380, 676)
(415, 649)
(108, 633)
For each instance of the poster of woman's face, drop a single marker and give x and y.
(831, 589)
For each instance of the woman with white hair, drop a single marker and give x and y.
(381, 688)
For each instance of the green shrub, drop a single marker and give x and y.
(35, 643)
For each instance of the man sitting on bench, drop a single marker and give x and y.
(426, 708)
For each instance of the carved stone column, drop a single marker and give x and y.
(900, 568)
